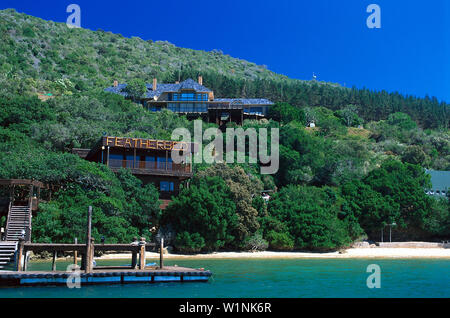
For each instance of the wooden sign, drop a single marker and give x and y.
(141, 143)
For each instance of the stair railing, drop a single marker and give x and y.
(28, 230)
(9, 219)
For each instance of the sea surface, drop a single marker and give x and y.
(273, 278)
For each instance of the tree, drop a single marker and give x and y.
(142, 207)
(256, 243)
(311, 216)
(136, 89)
(285, 113)
(280, 241)
(372, 211)
(414, 155)
(404, 184)
(206, 212)
(401, 120)
(392, 193)
(243, 187)
(438, 224)
(349, 115)
(189, 243)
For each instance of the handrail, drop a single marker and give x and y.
(225, 106)
(146, 165)
(9, 218)
(69, 247)
(30, 209)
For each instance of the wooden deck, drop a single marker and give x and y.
(137, 272)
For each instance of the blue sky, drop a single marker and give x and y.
(409, 54)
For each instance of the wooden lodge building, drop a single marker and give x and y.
(148, 159)
(194, 100)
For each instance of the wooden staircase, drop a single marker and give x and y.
(7, 255)
(19, 220)
(164, 204)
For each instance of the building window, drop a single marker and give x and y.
(256, 110)
(153, 108)
(188, 107)
(188, 97)
(115, 157)
(166, 186)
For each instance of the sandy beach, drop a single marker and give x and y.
(374, 252)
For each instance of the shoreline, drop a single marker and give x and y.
(399, 250)
(357, 253)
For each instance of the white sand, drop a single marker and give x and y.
(374, 252)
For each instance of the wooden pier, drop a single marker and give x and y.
(137, 272)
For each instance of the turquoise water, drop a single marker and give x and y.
(272, 278)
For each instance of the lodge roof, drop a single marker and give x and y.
(188, 84)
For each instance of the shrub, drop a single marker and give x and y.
(256, 243)
(205, 208)
(280, 241)
(189, 243)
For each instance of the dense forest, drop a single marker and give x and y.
(362, 167)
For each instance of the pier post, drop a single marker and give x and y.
(91, 256)
(20, 255)
(134, 260)
(25, 261)
(161, 254)
(88, 260)
(54, 261)
(75, 253)
(134, 254)
(83, 261)
(142, 254)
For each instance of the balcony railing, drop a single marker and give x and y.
(150, 166)
(225, 106)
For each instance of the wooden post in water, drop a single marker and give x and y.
(142, 254)
(20, 255)
(54, 261)
(83, 261)
(161, 254)
(25, 261)
(134, 254)
(91, 258)
(75, 253)
(133, 260)
(87, 257)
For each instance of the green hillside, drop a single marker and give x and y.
(44, 56)
(48, 51)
